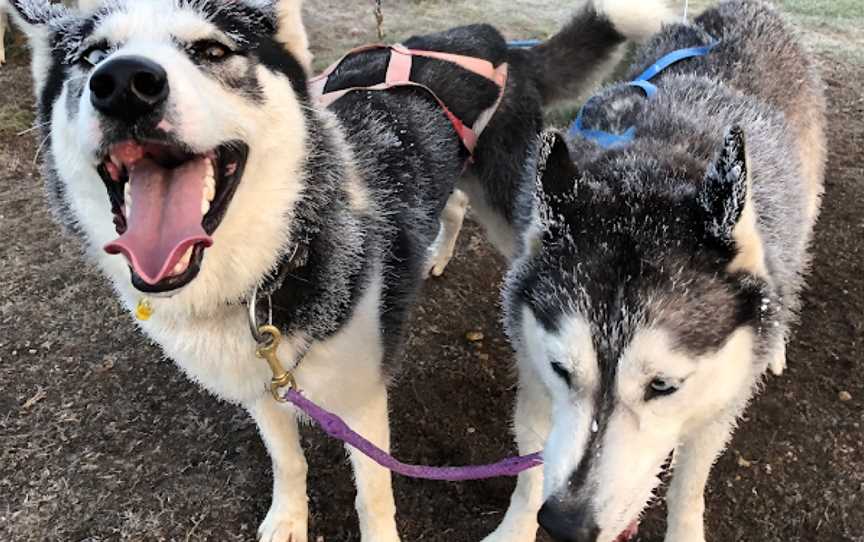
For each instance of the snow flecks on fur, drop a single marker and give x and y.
(725, 192)
(683, 251)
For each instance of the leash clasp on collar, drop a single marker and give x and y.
(268, 338)
(268, 351)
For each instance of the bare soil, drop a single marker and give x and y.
(102, 439)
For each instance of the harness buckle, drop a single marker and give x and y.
(268, 351)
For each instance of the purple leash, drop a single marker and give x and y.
(334, 426)
(268, 338)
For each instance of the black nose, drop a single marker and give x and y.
(128, 88)
(568, 523)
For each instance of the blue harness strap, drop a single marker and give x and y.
(523, 44)
(609, 140)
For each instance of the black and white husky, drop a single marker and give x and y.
(661, 280)
(186, 127)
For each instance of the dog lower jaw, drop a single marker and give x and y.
(629, 533)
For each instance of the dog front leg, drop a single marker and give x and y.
(532, 419)
(376, 508)
(686, 495)
(287, 520)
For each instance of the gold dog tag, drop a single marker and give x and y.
(144, 310)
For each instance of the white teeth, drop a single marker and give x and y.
(209, 189)
(127, 197)
(183, 264)
(179, 268)
(116, 161)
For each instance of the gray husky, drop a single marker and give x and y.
(660, 281)
(196, 141)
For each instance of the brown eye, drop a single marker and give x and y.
(211, 51)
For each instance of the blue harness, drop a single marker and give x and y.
(523, 44)
(609, 140)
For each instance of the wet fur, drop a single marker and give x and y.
(682, 255)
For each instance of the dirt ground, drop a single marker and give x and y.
(102, 439)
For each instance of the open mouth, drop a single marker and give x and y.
(629, 533)
(167, 203)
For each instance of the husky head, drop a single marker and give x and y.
(640, 305)
(175, 137)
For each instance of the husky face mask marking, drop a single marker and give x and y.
(169, 119)
(638, 339)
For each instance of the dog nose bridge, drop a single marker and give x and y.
(128, 88)
(568, 522)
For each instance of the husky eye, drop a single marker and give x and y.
(95, 55)
(211, 51)
(661, 387)
(563, 373)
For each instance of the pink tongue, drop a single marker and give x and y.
(631, 531)
(165, 219)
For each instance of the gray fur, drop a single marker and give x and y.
(645, 236)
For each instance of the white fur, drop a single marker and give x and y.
(696, 421)
(497, 230)
(3, 23)
(292, 32)
(638, 20)
(203, 327)
(532, 425)
(452, 218)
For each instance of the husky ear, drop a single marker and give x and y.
(727, 200)
(34, 18)
(291, 32)
(556, 188)
(556, 172)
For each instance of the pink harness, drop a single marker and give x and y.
(399, 75)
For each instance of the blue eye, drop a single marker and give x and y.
(661, 387)
(562, 373)
(95, 55)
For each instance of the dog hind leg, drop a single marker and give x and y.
(686, 496)
(532, 419)
(778, 359)
(4, 21)
(441, 252)
(288, 517)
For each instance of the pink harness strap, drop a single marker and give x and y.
(399, 75)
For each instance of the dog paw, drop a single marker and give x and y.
(437, 263)
(2, 57)
(281, 526)
(778, 362)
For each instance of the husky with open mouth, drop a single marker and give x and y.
(660, 283)
(184, 149)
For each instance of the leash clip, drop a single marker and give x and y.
(267, 350)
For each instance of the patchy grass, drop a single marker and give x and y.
(337, 26)
(14, 119)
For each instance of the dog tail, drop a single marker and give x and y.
(589, 46)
